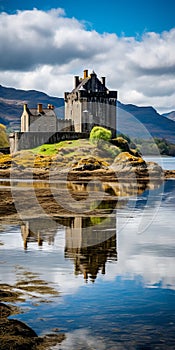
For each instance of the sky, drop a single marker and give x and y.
(43, 44)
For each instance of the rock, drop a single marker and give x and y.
(14, 334)
(5, 310)
(154, 169)
(90, 163)
(18, 328)
(127, 165)
(169, 174)
(121, 143)
(129, 159)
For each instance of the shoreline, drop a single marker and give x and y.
(69, 174)
(15, 334)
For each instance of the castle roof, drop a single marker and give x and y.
(45, 111)
(40, 111)
(82, 84)
(90, 83)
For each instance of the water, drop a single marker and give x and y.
(167, 163)
(113, 274)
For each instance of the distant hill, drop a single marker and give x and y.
(12, 100)
(170, 115)
(144, 117)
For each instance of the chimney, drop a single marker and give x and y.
(25, 107)
(40, 108)
(103, 79)
(85, 73)
(49, 106)
(76, 81)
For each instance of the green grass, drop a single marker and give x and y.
(46, 149)
(53, 149)
(71, 151)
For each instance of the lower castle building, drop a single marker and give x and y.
(43, 119)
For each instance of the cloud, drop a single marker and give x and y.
(147, 255)
(43, 50)
(84, 339)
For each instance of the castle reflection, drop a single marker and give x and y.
(38, 230)
(91, 245)
(89, 241)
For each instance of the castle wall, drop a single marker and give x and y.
(65, 125)
(27, 140)
(43, 123)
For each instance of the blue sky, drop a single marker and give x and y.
(132, 43)
(118, 16)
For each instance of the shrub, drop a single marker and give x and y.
(99, 134)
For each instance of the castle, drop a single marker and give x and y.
(90, 103)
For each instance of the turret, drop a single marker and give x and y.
(76, 81)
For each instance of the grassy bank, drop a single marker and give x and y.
(62, 154)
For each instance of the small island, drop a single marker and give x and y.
(109, 159)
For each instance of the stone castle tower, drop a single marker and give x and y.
(91, 103)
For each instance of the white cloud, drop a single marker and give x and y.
(84, 339)
(43, 50)
(147, 255)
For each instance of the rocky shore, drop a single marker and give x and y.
(55, 190)
(124, 166)
(169, 174)
(83, 160)
(107, 175)
(16, 335)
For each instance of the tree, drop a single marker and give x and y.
(99, 134)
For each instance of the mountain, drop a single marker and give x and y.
(132, 120)
(144, 121)
(12, 100)
(170, 115)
